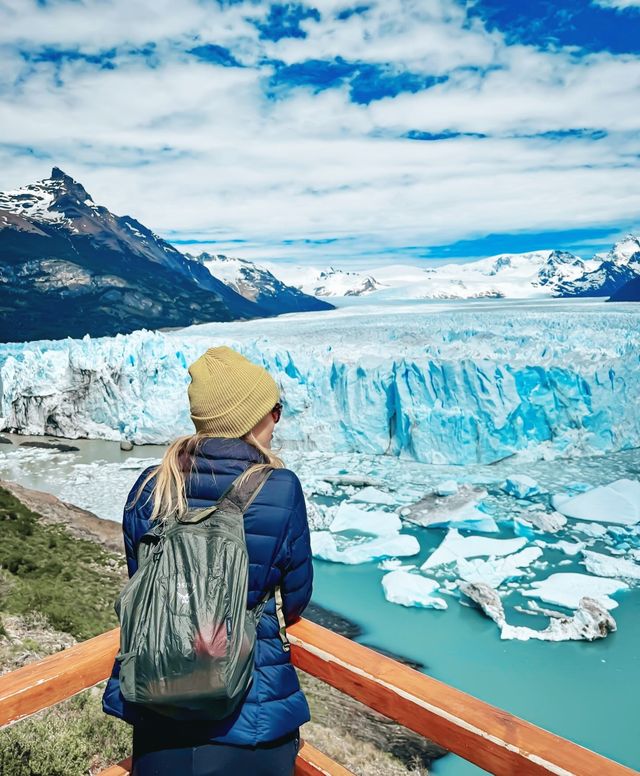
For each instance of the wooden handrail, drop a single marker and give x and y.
(310, 762)
(495, 740)
(59, 676)
(483, 734)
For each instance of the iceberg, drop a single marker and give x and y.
(323, 546)
(349, 517)
(538, 520)
(373, 495)
(495, 571)
(594, 530)
(392, 564)
(403, 587)
(568, 548)
(458, 511)
(607, 566)
(446, 488)
(618, 502)
(520, 486)
(590, 621)
(566, 589)
(455, 547)
(438, 385)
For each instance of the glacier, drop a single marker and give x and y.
(454, 383)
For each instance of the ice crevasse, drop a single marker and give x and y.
(436, 387)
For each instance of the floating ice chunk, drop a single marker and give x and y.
(349, 517)
(520, 486)
(569, 548)
(455, 547)
(458, 511)
(446, 488)
(594, 530)
(590, 621)
(139, 463)
(391, 564)
(350, 479)
(318, 516)
(606, 566)
(566, 589)
(402, 587)
(495, 571)
(323, 545)
(486, 598)
(617, 502)
(319, 487)
(373, 495)
(548, 522)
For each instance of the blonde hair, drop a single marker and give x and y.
(168, 492)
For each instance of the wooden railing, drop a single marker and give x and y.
(487, 736)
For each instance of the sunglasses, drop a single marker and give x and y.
(276, 412)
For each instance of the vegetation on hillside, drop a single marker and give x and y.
(72, 582)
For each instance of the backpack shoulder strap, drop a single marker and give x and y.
(242, 495)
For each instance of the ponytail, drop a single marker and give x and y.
(168, 491)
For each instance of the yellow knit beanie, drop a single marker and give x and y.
(228, 394)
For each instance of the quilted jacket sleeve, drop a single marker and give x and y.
(135, 521)
(297, 577)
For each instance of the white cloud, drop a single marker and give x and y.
(618, 4)
(199, 151)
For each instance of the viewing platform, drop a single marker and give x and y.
(489, 737)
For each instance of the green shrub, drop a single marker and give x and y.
(71, 581)
(63, 740)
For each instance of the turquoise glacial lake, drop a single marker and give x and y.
(586, 692)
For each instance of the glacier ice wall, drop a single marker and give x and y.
(439, 385)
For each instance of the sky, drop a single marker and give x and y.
(352, 133)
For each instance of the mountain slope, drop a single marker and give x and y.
(69, 267)
(324, 282)
(548, 273)
(629, 292)
(259, 285)
(611, 272)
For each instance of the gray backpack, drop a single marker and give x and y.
(187, 639)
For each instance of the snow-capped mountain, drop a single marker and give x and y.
(69, 267)
(258, 284)
(325, 282)
(629, 292)
(611, 271)
(548, 273)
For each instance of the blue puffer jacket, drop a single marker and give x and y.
(279, 553)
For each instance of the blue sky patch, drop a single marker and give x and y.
(524, 242)
(216, 55)
(367, 82)
(283, 21)
(418, 134)
(103, 59)
(347, 13)
(551, 23)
